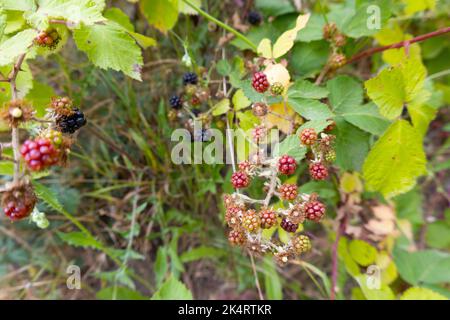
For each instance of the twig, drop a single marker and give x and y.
(258, 287)
(397, 45)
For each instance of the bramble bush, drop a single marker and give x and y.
(321, 129)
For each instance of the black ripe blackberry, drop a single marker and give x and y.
(196, 112)
(190, 78)
(175, 102)
(254, 18)
(202, 135)
(72, 122)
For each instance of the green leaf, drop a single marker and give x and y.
(350, 265)
(79, 239)
(308, 58)
(187, 9)
(240, 101)
(24, 82)
(438, 235)
(383, 293)
(117, 15)
(2, 23)
(421, 117)
(345, 92)
(120, 293)
(396, 87)
(142, 40)
(418, 293)
(426, 266)
(352, 145)
(290, 146)
(109, 46)
(272, 282)
(362, 252)
(201, 252)
(306, 89)
(221, 107)
(20, 5)
(275, 8)
(395, 161)
(162, 14)
(365, 117)
(317, 125)
(172, 289)
(40, 96)
(413, 6)
(409, 206)
(76, 12)
(311, 109)
(313, 30)
(359, 24)
(161, 266)
(6, 168)
(15, 46)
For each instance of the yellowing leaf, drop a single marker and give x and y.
(350, 182)
(162, 14)
(286, 41)
(277, 73)
(418, 293)
(395, 161)
(279, 115)
(413, 6)
(265, 48)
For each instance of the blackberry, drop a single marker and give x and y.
(39, 154)
(288, 191)
(72, 122)
(260, 82)
(240, 180)
(277, 89)
(301, 244)
(318, 171)
(260, 109)
(287, 165)
(202, 135)
(190, 78)
(288, 225)
(308, 136)
(175, 102)
(237, 237)
(18, 202)
(251, 221)
(268, 218)
(196, 112)
(254, 18)
(314, 210)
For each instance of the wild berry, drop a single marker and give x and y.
(277, 89)
(314, 210)
(61, 103)
(240, 180)
(337, 60)
(308, 136)
(49, 38)
(260, 82)
(190, 78)
(288, 191)
(296, 214)
(287, 165)
(54, 136)
(202, 135)
(246, 166)
(259, 109)
(288, 225)
(72, 122)
(330, 156)
(236, 237)
(251, 221)
(259, 133)
(318, 171)
(232, 215)
(268, 218)
(254, 18)
(176, 102)
(195, 101)
(339, 40)
(18, 202)
(300, 244)
(39, 154)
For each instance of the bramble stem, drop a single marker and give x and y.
(221, 24)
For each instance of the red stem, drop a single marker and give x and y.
(397, 45)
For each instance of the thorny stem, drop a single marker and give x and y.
(221, 24)
(258, 286)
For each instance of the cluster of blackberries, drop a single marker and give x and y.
(71, 122)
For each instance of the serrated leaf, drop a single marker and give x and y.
(290, 146)
(279, 116)
(221, 107)
(396, 87)
(79, 239)
(345, 91)
(172, 289)
(352, 145)
(421, 117)
(16, 46)
(162, 14)
(265, 49)
(395, 161)
(311, 109)
(366, 117)
(117, 15)
(240, 101)
(306, 89)
(75, 12)
(109, 46)
(286, 41)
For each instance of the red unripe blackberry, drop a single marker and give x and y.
(268, 218)
(245, 166)
(297, 214)
(232, 215)
(308, 136)
(339, 40)
(314, 210)
(49, 38)
(318, 171)
(288, 225)
(251, 221)
(240, 180)
(260, 82)
(258, 133)
(236, 237)
(18, 202)
(337, 60)
(288, 191)
(287, 165)
(39, 154)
